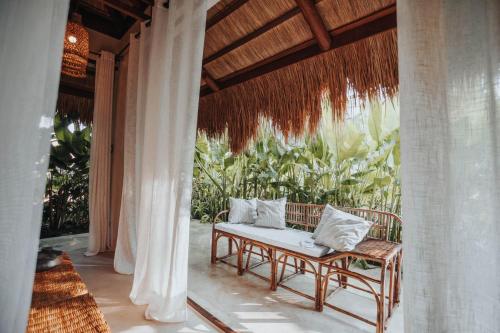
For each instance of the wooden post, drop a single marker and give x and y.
(117, 152)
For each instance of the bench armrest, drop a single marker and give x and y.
(217, 217)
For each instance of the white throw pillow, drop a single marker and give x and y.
(242, 211)
(331, 214)
(271, 213)
(342, 233)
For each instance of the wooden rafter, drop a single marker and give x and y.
(226, 11)
(127, 10)
(316, 23)
(372, 24)
(209, 80)
(247, 38)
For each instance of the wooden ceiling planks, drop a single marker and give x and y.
(226, 11)
(320, 16)
(127, 10)
(369, 25)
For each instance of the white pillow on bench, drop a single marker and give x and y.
(330, 214)
(271, 213)
(339, 230)
(242, 211)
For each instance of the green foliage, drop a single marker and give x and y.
(66, 193)
(352, 164)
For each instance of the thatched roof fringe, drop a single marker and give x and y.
(291, 97)
(76, 107)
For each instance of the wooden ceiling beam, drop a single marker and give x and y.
(247, 38)
(377, 22)
(315, 22)
(209, 80)
(75, 88)
(127, 10)
(226, 11)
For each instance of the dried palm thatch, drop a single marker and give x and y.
(291, 97)
(76, 107)
(76, 97)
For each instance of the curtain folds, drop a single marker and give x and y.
(126, 245)
(137, 75)
(31, 42)
(449, 53)
(160, 277)
(162, 107)
(100, 156)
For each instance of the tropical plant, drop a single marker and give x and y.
(66, 193)
(354, 163)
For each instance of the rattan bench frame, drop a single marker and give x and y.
(333, 267)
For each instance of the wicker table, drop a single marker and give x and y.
(62, 303)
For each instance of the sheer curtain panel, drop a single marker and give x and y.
(449, 53)
(126, 247)
(173, 83)
(31, 43)
(100, 156)
(124, 260)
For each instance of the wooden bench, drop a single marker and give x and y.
(331, 269)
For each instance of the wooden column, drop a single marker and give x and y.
(117, 154)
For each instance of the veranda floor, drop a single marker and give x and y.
(245, 302)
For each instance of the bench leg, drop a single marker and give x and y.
(397, 283)
(319, 298)
(241, 251)
(302, 267)
(343, 279)
(249, 255)
(381, 318)
(392, 265)
(274, 269)
(213, 254)
(229, 246)
(285, 261)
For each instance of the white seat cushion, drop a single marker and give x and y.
(290, 239)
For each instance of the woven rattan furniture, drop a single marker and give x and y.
(331, 271)
(62, 303)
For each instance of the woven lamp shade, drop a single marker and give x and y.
(76, 50)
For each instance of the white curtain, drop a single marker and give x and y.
(31, 43)
(169, 132)
(450, 135)
(100, 156)
(125, 252)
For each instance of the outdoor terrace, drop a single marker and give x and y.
(244, 303)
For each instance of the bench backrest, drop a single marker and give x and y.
(386, 226)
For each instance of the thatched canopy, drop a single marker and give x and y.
(278, 59)
(76, 97)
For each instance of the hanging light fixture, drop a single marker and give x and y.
(76, 49)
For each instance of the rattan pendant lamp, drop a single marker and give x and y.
(76, 48)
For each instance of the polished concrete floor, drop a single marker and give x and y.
(245, 302)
